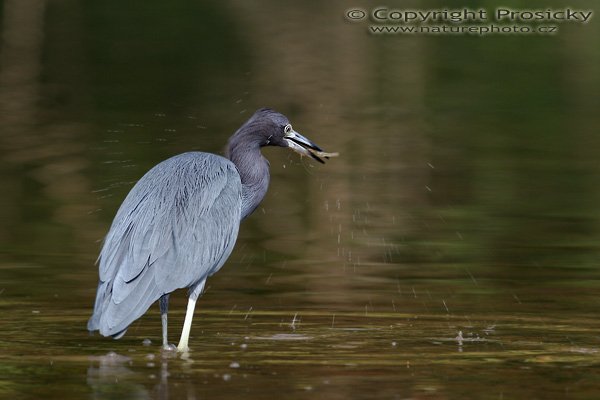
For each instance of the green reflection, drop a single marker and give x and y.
(465, 200)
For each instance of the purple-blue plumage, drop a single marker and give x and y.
(179, 223)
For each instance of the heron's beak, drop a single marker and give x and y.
(302, 145)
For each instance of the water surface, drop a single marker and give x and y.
(451, 251)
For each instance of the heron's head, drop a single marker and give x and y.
(274, 129)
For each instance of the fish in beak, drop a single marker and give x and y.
(305, 147)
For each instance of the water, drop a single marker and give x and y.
(451, 251)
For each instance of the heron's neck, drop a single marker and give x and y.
(253, 169)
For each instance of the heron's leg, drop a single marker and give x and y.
(164, 309)
(195, 292)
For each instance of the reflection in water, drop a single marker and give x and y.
(41, 151)
(20, 67)
(111, 376)
(456, 236)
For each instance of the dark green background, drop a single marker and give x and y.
(465, 199)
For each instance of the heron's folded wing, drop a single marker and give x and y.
(177, 223)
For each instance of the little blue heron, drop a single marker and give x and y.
(179, 223)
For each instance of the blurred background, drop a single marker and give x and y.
(456, 236)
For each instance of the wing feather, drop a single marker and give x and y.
(176, 227)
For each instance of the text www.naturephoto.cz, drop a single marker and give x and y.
(462, 29)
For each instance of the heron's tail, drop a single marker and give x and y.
(101, 299)
(101, 304)
(113, 313)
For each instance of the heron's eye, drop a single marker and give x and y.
(287, 129)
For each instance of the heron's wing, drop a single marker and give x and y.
(177, 226)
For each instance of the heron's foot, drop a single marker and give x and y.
(169, 347)
(183, 348)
